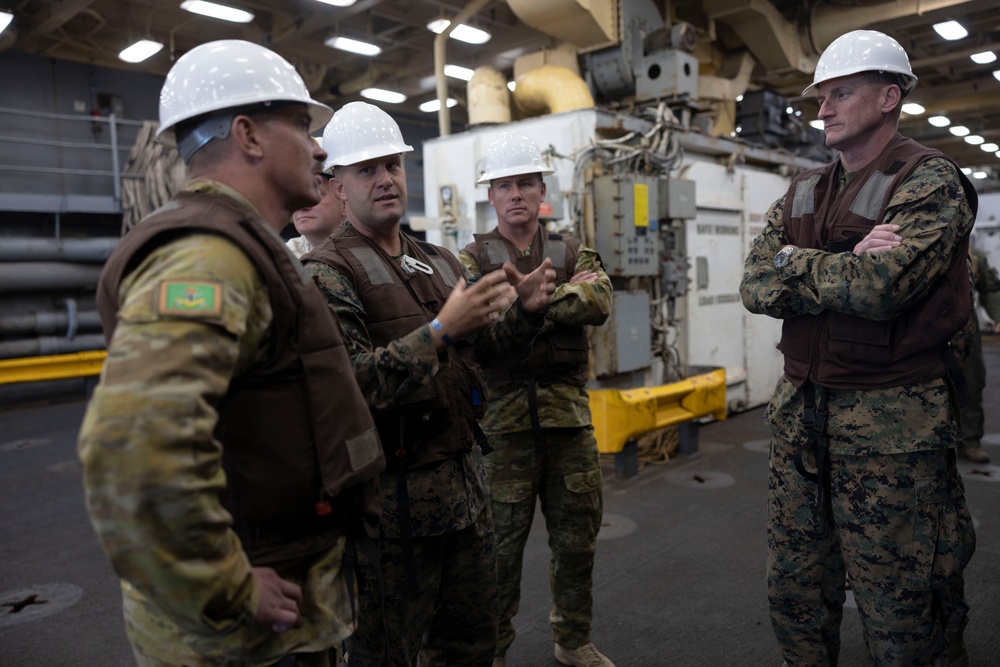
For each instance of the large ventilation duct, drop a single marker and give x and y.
(828, 22)
(774, 41)
(732, 80)
(551, 89)
(488, 97)
(583, 23)
(781, 46)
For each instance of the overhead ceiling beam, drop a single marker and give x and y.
(60, 16)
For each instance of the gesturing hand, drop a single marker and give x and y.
(280, 600)
(470, 308)
(535, 289)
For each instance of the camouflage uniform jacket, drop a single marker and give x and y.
(450, 496)
(560, 405)
(935, 221)
(194, 569)
(986, 283)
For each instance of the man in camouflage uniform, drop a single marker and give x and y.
(551, 455)
(315, 223)
(987, 285)
(865, 261)
(414, 330)
(227, 451)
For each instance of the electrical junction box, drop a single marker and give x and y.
(626, 223)
(552, 206)
(623, 343)
(677, 199)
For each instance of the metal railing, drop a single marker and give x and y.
(61, 198)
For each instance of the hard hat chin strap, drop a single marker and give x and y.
(214, 127)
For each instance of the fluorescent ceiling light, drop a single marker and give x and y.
(950, 30)
(818, 124)
(996, 74)
(5, 19)
(939, 121)
(959, 130)
(974, 139)
(913, 109)
(966, 171)
(463, 33)
(457, 72)
(217, 11)
(511, 86)
(990, 147)
(983, 58)
(435, 104)
(353, 46)
(381, 95)
(979, 174)
(338, 3)
(139, 51)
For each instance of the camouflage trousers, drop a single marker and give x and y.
(451, 622)
(898, 526)
(564, 474)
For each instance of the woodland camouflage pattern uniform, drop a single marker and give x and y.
(897, 521)
(146, 443)
(564, 472)
(986, 282)
(443, 500)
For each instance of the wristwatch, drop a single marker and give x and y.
(783, 256)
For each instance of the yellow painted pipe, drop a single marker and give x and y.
(55, 367)
(620, 415)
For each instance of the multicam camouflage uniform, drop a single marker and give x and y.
(896, 521)
(564, 472)
(153, 471)
(987, 284)
(453, 546)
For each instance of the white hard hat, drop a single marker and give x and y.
(229, 74)
(512, 154)
(360, 131)
(863, 51)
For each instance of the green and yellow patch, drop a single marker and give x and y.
(185, 298)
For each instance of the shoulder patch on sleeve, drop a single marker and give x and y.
(178, 297)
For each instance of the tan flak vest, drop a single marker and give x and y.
(300, 450)
(560, 355)
(437, 422)
(848, 352)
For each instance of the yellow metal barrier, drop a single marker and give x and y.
(55, 367)
(620, 415)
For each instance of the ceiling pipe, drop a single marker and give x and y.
(781, 46)
(16, 277)
(828, 22)
(444, 113)
(47, 345)
(775, 42)
(18, 249)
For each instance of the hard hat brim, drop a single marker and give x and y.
(518, 171)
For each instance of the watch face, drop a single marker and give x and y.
(782, 258)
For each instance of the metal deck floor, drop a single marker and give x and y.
(679, 579)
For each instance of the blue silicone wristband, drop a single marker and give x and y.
(436, 325)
